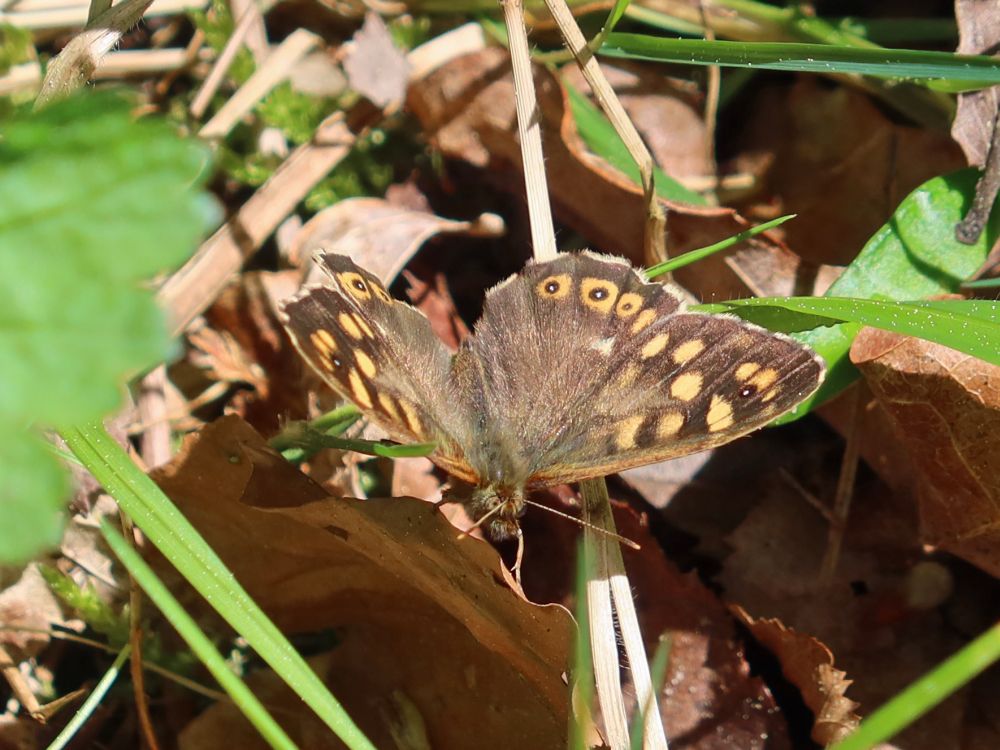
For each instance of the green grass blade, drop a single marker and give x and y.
(925, 693)
(970, 326)
(615, 15)
(378, 448)
(973, 70)
(202, 647)
(83, 713)
(184, 547)
(703, 252)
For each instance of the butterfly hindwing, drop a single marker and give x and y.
(382, 355)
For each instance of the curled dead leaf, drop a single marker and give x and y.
(946, 409)
(808, 664)
(415, 609)
(380, 236)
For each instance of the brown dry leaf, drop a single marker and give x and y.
(772, 271)
(28, 610)
(861, 615)
(380, 236)
(831, 153)
(946, 408)
(435, 301)
(375, 68)
(974, 123)
(467, 108)
(417, 610)
(243, 342)
(18, 733)
(976, 128)
(808, 664)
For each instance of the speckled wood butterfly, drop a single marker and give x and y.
(578, 368)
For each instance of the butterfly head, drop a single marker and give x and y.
(498, 508)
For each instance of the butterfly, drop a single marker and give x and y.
(578, 368)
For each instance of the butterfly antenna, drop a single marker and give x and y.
(482, 519)
(574, 519)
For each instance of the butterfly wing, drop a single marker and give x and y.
(587, 369)
(380, 354)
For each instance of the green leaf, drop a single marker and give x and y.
(16, 46)
(92, 203)
(32, 494)
(972, 70)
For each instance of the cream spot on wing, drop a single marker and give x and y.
(628, 305)
(363, 325)
(769, 395)
(365, 363)
(603, 345)
(390, 408)
(686, 386)
(412, 418)
(720, 414)
(645, 318)
(669, 424)
(764, 379)
(654, 346)
(627, 430)
(348, 324)
(688, 351)
(358, 390)
(745, 370)
(598, 294)
(629, 374)
(323, 341)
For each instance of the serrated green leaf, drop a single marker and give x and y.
(92, 203)
(32, 494)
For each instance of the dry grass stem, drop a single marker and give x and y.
(217, 74)
(42, 16)
(655, 230)
(543, 236)
(275, 69)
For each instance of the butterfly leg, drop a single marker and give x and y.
(516, 570)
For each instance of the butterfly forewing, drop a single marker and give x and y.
(586, 369)
(718, 378)
(380, 354)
